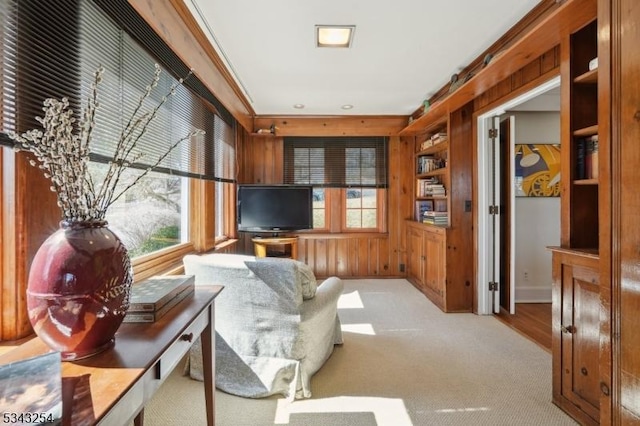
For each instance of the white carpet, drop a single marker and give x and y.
(403, 363)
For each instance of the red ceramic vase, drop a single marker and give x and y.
(78, 289)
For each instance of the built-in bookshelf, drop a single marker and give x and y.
(582, 206)
(432, 175)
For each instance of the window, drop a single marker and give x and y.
(225, 174)
(45, 59)
(349, 171)
(149, 217)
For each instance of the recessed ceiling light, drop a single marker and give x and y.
(298, 106)
(334, 35)
(347, 106)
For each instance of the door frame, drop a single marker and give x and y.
(483, 272)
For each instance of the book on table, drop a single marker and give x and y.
(152, 316)
(156, 295)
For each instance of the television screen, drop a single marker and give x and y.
(274, 208)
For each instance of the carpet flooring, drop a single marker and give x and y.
(403, 363)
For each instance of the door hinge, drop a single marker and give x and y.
(494, 209)
(493, 133)
(493, 286)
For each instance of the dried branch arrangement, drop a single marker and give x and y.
(62, 148)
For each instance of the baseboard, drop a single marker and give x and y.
(533, 294)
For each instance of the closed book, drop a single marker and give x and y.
(153, 293)
(156, 315)
(581, 152)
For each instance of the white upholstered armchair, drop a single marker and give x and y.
(274, 328)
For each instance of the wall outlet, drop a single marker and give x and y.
(525, 275)
(402, 267)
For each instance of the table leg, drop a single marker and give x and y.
(139, 419)
(208, 361)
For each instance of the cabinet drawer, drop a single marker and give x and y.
(180, 346)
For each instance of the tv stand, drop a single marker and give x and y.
(276, 247)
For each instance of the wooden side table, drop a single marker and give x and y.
(112, 387)
(276, 247)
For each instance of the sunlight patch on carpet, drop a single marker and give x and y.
(350, 301)
(387, 411)
(366, 329)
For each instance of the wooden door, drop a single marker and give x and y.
(434, 246)
(580, 328)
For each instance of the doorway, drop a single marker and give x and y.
(512, 226)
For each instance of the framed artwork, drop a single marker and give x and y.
(537, 170)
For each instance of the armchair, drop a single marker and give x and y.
(274, 327)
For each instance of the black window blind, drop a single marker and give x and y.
(52, 49)
(338, 162)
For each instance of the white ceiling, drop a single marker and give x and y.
(403, 50)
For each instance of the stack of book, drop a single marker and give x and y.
(436, 218)
(430, 188)
(153, 298)
(438, 137)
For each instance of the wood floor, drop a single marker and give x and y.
(533, 320)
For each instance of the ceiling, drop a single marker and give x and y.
(403, 51)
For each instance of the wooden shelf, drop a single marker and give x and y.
(437, 172)
(439, 147)
(585, 182)
(589, 77)
(438, 197)
(586, 131)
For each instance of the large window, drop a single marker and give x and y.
(43, 58)
(347, 172)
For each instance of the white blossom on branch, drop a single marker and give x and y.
(62, 149)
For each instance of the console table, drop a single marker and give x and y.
(112, 387)
(261, 246)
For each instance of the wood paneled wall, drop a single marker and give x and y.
(543, 67)
(347, 255)
(29, 216)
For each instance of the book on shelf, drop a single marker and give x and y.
(436, 138)
(152, 294)
(152, 316)
(591, 159)
(587, 158)
(422, 206)
(436, 218)
(429, 163)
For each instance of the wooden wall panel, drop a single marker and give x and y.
(335, 253)
(27, 221)
(546, 64)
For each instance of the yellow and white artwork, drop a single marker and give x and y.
(537, 170)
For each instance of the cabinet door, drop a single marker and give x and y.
(580, 338)
(434, 249)
(416, 258)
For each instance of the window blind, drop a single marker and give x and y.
(340, 162)
(52, 49)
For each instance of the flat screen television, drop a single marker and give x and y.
(274, 208)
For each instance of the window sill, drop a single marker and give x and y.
(225, 244)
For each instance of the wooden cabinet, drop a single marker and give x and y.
(576, 329)
(431, 268)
